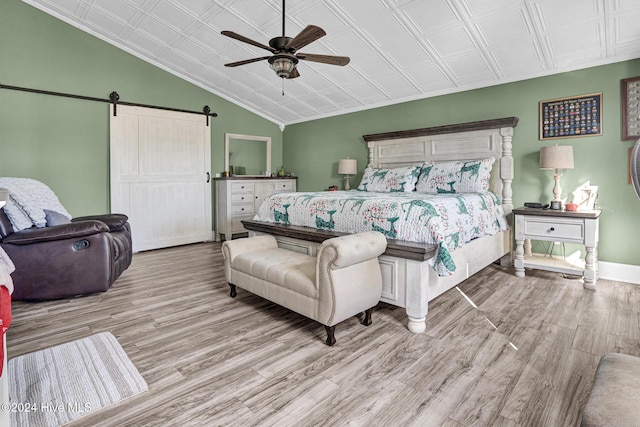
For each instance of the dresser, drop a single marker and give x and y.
(238, 198)
(562, 227)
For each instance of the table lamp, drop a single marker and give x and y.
(556, 157)
(347, 167)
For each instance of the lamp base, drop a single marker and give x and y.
(347, 185)
(557, 191)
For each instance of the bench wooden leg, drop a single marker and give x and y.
(331, 339)
(233, 292)
(367, 317)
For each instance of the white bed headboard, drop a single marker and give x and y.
(463, 141)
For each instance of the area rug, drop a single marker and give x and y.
(60, 384)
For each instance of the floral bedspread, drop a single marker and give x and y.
(448, 220)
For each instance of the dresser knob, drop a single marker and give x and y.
(552, 229)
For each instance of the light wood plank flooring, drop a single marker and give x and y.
(525, 354)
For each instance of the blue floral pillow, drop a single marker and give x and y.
(472, 176)
(390, 180)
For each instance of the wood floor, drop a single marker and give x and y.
(512, 352)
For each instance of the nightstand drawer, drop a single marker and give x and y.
(554, 229)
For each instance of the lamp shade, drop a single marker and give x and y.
(348, 166)
(556, 157)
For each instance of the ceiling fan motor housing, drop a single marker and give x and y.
(280, 43)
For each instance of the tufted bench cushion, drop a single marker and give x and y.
(280, 267)
(343, 280)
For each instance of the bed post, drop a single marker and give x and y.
(370, 145)
(506, 169)
(506, 176)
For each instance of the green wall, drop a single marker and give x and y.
(602, 160)
(65, 142)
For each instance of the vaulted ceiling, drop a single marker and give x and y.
(400, 50)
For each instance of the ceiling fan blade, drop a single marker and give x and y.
(246, 40)
(294, 74)
(246, 61)
(310, 34)
(325, 59)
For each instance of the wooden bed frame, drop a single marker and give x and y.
(408, 280)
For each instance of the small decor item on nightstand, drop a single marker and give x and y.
(281, 171)
(585, 197)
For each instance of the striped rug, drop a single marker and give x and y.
(60, 384)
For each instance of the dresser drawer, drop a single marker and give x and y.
(240, 198)
(283, 187)
(554, 229)
(241, 187)
(242, 209)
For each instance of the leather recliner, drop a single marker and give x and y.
(84, 256)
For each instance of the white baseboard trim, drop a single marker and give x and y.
(619, 272)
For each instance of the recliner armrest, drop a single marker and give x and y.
(58, 232)
(113, 221)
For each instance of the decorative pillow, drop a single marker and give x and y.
(390, 180)
(55, 218)
(456, 177)
(18, 217)
(28, 199)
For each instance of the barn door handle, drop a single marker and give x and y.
(208, 177)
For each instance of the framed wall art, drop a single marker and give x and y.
(630, 91)
(586, 196)
(571, 117)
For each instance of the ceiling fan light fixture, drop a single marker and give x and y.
(283, 64)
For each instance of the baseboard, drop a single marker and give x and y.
(619, 272)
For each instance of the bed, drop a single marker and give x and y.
(418, 266)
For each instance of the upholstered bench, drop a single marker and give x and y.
(343, 280)
(615, 394)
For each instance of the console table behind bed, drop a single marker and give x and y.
(408, 280)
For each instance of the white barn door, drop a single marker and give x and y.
(160, 163)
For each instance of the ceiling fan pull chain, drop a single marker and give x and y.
(283, 86)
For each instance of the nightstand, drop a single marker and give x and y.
(557, 226)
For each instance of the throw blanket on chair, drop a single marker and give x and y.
(28, 200)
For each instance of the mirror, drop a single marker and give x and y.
(247, 155)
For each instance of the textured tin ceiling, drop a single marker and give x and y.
(400, 50)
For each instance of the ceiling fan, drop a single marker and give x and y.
(284, 49)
